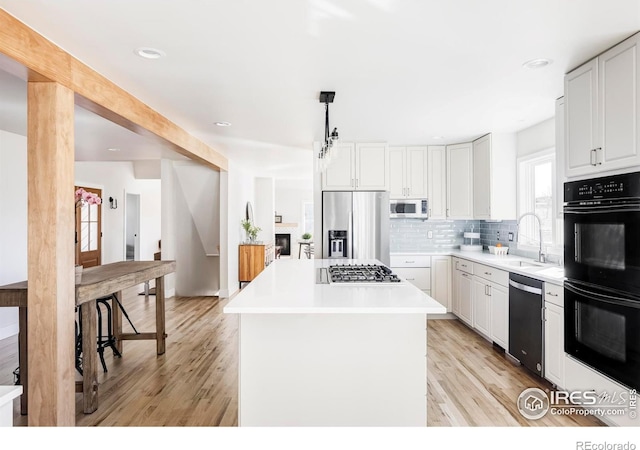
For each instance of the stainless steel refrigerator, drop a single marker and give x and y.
(355, 225)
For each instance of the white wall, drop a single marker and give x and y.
(13, 221)
(537, 137)
(115, 179)
(290, 196)
(237, 188)
(263, 208)
(197, 226)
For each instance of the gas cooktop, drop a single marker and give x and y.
(361, 273)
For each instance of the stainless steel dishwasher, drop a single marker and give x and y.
(526, 324)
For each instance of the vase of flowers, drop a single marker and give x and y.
(251, 230)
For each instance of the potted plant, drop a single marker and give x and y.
(251, 230)
(306, 237)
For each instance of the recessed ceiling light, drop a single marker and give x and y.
(437, 137)
(537, 63)
(223, 124)
(149, 53)
(113, 149)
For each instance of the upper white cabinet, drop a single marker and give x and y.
(460, 181)
(437, 181)
(408, 172)
(494, 177)
(560, 154)
(358, 167)
(602, 112)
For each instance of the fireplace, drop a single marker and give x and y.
(284, 242)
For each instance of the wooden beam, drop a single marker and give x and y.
(44, 60)
(50, 251)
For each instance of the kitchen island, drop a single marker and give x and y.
(331, 354)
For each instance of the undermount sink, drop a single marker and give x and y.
(524, 264)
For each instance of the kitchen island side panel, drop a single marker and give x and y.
(333, 370)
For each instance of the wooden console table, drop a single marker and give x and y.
(96, 282)
(251, 261)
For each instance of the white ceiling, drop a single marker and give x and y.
(403, 71)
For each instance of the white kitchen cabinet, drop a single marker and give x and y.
(500, 315)
(463, 290)
(460, 181)
(602, 112)
(437, 181)
(358, 167)
(491, 303)
(441, 280)
(340, 174)
(416, 269)
(455, 287)
(494, 177)
(481, 301)
(465, 293)
(560, 155)
(554, 356)
(408, 172)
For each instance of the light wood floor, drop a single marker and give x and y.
(195, 382)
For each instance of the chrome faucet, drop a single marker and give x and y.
(541, 256)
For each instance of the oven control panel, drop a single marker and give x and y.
(622, 186)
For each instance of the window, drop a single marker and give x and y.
(536, 193)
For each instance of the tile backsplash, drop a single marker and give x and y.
(417, 235)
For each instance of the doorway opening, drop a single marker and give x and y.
(132, 227)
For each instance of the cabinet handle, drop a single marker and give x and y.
(598, 162)
(592, 157)
(489, 289)
(357, 183)
(409, 262)
(429, 214)
(552, 294)
(408, 192)
(488, 273)
(410, 279)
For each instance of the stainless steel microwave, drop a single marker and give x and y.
(409, 209)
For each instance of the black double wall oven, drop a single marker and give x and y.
(602, 267)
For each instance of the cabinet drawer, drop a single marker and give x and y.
(554, 294)
(463, 265)
(410, 261)
(491, 274)
(418, 276)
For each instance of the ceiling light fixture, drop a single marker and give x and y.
(223, 124)
(113, 149)
(537, 63)
(330, 140)
(149, 53)
(437, 137)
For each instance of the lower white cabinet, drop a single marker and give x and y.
(465, 295)
(441, 280)
(481, 306)
(418, 276)
(554, 356)
(500, 315)
(416, 269)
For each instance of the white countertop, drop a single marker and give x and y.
(551, 273)
(8, 393)
(288, 286)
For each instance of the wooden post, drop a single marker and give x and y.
(51, 293)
